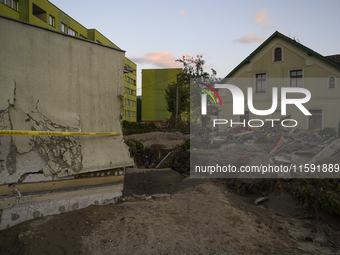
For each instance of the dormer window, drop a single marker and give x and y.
(278, 54)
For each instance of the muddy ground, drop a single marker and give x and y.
(201, 217)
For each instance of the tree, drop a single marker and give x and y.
(183, 98)
(192, 69)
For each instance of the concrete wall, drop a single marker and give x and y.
(52, 81)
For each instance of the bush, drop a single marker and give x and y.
(328, 199)
(135, 146)
(130, 128)
(327, 133)
(186, 145)
(152, 125)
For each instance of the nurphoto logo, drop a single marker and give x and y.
(238, 104)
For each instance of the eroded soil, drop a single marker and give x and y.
(202, 217)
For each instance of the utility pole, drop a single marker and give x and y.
(176, 104)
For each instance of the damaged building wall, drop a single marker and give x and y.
(51, 81)
(55, 82)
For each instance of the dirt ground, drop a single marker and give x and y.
(201, 217)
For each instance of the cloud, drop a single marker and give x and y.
(262, 19)
(160, 59)
(183, 14)
(250, 38)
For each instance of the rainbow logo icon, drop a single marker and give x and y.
(208, 92)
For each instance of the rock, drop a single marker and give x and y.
(260, 200)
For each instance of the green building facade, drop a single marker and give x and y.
(43, 13)
(154, 84)
(130, 98)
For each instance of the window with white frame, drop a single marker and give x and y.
(72, 32)
(51, 20)
(331, 83)
(278, 54)
(14, 4)
(63, 28)
(296, 78)
(261, 83)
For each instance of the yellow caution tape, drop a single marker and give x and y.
(50, 133)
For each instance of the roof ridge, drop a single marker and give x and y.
(293, 41)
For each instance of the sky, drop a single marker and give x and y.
(156, 33)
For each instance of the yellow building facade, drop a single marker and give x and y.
(283, 62)
(45, 14)
(130, 97)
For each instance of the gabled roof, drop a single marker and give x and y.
(334, 60)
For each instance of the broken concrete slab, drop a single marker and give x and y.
(49, 203)
(329, 151)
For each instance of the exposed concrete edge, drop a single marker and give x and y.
(55, 185)
(18, 199)
(144, 170)
(34, 206)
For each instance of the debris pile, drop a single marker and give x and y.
(312, 157)
(272, 145)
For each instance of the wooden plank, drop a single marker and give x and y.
(63, 184)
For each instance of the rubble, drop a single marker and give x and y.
(144, 197)
(260, 200)
(275, 145)
(329, 151)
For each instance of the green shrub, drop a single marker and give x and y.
(186, 145)
(135, 146)
(329, 199)
(327, 133)
(152, 125)
(138, 128)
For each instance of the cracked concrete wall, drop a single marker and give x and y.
(52, 81)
